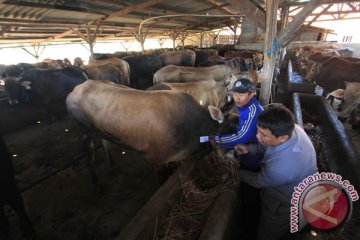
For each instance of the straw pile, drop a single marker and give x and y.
(211, 176)
(316, 136)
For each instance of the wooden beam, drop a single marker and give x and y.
(248, 9)
(82, 36)
(318, 15)
(61, 35)
(298, 21)
(270, 51)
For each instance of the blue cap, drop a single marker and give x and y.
(243, 85)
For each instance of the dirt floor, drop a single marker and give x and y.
(53, 174)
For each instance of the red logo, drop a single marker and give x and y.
(325, 206)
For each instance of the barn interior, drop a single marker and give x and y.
(50, 160)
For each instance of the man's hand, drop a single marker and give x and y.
(242, 148)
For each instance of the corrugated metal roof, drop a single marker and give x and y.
(38, 20)
(68, 20)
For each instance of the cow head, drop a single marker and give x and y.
(351, 101)
(13, 89)
(336, 98)
(228, 124)
(16, 89)
(312, 71)
(228, 121)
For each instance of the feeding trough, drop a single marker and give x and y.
(294, 83)
(338, 151)
(219, 216)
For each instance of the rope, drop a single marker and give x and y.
(275, 46)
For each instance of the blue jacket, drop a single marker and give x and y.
(246, 131)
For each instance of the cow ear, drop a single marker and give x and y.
(26, 84)
(346, 83)
(216, 113)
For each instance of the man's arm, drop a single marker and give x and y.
(249, 148)
(244, 132)
(269, 176)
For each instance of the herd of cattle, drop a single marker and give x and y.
(336, 72)
(155, 104)
(52, 80)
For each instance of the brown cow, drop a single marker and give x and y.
(178, 58)
(164, 125)
(257, 56)
(332, 74)
(105, 71)
(122, 66)
(178, 74)
(207, 92)
(321, 57)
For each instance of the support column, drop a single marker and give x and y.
(234, 28)
(283, 24)
(161, 42)
(214, 36)
(201, 38)
(90, 37)
(270, 51)
(141, 37)
(37, 51)
(126, 46)
(173, 35)
(182, 37)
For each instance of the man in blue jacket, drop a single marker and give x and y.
(248, 107)
(289, 157)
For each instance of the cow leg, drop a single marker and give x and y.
(14, 199)
(4, 224)
(25, 222)
(91, 160)
(49, 111)
(108, 158)
(354, 120)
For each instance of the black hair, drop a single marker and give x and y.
(278, 119)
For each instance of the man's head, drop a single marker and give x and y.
(243, 91)
(275, 125)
